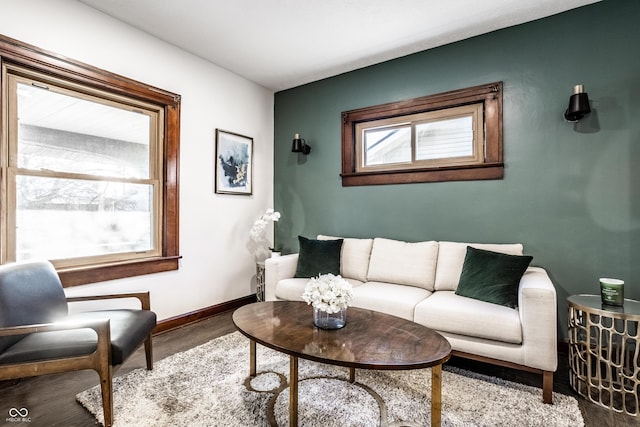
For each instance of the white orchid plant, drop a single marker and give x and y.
(328, 292)
(257, 232)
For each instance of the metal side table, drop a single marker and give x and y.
(260, 281)
(604, 355)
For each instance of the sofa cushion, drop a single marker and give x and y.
(451, 258)
(413, 264)
(318, 257)
(445, 311)
(492, 277)
(397, 300)
(354, 257)
(292, 289)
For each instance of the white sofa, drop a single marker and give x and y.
(417, 281)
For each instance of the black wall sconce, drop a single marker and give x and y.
(299, 145)
(578, 105)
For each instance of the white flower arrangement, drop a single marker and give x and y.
(328, 292)
(257, 232)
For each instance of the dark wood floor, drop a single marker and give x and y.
(51, 399)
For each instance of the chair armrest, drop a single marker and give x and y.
(276, 269)
(538, 309)
(98, 325)
(143, 297)
(97, 360)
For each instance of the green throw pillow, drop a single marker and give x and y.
(492, 277)
(318, 257)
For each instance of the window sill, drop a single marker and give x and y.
(451, 173)
(76, 276)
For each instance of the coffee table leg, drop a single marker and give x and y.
(352, 375)
(252, 358)
(293, 391)
(436, 395)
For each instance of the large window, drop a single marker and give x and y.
(89, 170)
(452, 136)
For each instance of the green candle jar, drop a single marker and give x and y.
(612, 291)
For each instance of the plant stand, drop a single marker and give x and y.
(260, 281)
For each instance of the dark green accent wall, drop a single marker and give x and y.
(569, 193)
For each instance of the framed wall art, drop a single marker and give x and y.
(234, 163)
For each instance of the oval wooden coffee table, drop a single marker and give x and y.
(375, 341)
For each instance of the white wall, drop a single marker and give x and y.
(216, 264)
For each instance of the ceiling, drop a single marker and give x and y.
(281, 44)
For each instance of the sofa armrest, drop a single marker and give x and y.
(538, 315)
(276, 269)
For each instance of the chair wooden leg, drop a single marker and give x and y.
(547, 387)
(148, 350)
(106, 387)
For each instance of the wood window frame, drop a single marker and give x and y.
(492, 166)
(412, 122)
(57, 66)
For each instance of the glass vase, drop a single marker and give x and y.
(324, 320)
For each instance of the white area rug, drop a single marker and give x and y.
(205, 386)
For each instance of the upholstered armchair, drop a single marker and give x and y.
(38, 336)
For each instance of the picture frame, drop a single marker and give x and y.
(234, 163)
